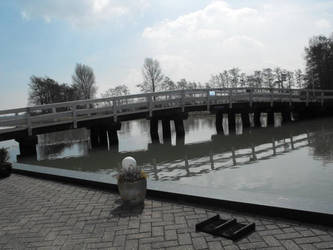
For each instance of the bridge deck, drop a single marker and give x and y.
(144, 105)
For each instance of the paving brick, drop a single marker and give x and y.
(165, 244)
(307, 240)
(132, 244)
(43, 214)
(290, 245)
(170, 235)
(271, 241)
(308, 247)
(215, 245)
(184, 239)
(321, 245)
(199, 243)
(253, 245)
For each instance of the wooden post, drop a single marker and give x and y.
(187, 166)
(211, 158)
(273, 145)
(155, 168)
(290, 97)
(254, 156)
(322, 98)
(272, 98)
(234, 162)
(307, 97)
(292, 142)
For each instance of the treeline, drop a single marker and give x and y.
(318, 74)
(44, 90)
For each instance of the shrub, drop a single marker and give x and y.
(4, 155)
(131, 174)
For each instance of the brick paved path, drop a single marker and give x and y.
(42, 214)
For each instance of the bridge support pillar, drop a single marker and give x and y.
(270, 118)
(245, 119)
(27, 145)
(166, 131)
(154, 130)
(94, 134)
(113, 137)
(286, 116)
(102, 135)
(179, 126)
(218, 122)
(99, 135)
(256, 119)
(231, 121)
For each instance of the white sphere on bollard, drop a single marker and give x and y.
(128, 162)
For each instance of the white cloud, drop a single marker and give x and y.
(219, 37)
(323, 24)
(81, 12)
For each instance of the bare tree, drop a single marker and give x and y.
(119, 90)
(268, 77)
(152, 76)
(84, 81)
(299, 78)
(168, 84)
(234, 77)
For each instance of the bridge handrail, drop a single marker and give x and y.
(74, 111)
(156, 94)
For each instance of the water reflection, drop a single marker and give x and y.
(322, 145)
(189, 158)
(63, 144)
(62, 150)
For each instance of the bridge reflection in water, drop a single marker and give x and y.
(175, 159)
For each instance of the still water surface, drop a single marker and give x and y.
(293, 160)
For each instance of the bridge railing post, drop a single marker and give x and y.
(230, 98)
(74, 116)
(322, 98)
(307, 97)
(182, 101)
(150, 105)
(290, 96)
(272, 97)
(114, 109)
(208, 100)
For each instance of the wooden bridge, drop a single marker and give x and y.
(103, 116)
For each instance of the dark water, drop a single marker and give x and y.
(288, 160)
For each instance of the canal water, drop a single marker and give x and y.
(284, 160)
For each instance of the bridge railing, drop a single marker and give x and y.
(75, 111)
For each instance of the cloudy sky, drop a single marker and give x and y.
(190, 39)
